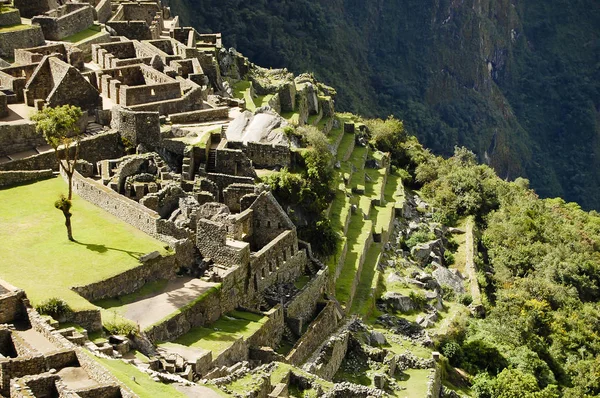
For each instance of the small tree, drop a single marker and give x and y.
(60, 130)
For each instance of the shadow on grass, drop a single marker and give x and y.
(103, 249)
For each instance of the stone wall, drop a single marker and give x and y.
(331, 356)
(137, 30)
(9, 178)
(303, 306)
(11, 17)
(153, 269)
(15, 78)
(270, 220)
(203, 311)
(204, 115)
(103, 11)
(93, 149)
(61, 359)
(264, 155)
(67, 53)
(23, 38)
(130, 96)
(138, 127)
(434, 383)
(212, 242)
(190, 101)
(234, 162)
(318, 330)
(278, 262)
(225, 180)
(11, 306)
(19, 367)
(65, 21)
(31, 8)
(270, 333)
(232, 195)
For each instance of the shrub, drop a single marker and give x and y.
(448, 293)
(453, 352)
(420, 236)
(465, 299)
(55, 307)
(418, 298)
(448, 258)
(119, 325)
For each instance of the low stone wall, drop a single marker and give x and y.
(91, 320)
(204, 115)
(159, 268)
(19, 367)
(93, 149)
(319, 329)
(23, 38)
(334, 353)
(103, 11)
(118, 205)
(9, 178)
(434, 385)
(11, 17)
(99, 374)
(65, 21)
(19, 137)
(303, 306)
(270, 333)
(61, 359)
(11, 306)
(205, 310)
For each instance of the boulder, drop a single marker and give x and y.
(444, 276)
(378, 338)
(397, 301)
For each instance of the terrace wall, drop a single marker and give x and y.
(303, 306)
(93, 149)
(65, 21)
(22, 38)
(8, 178)
(325, 323)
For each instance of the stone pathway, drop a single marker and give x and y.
(177, 294)
(37, 340)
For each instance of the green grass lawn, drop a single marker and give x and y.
(37, 256)
(221, 334)
(347, 140)
(241, 90)
(84, 34)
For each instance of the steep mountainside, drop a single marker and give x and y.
(517, 81)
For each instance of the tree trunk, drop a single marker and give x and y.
(68, 225)
(70, 178)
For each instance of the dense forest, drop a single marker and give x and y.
(517, 82)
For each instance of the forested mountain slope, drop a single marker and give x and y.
(517, 81)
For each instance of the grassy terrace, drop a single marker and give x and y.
(241, 90)
(84, 34)
(14, 28)
(143, 385)
(358, 233)
(223, 333)
(38, 257)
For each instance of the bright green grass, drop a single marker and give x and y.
(36, 250)
(14, 28)
(364, 300)
(292, 117)
(381, 217)
(84, 34)
(143, 385)
(339, 211)
(313, 120)
(241, 90)
(358, 233)
(347, 140)
(415, 382)
(223, 333)
(460, 256)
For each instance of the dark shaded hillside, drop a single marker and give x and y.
(516, 81)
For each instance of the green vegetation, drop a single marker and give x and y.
(141, 383)
(531, 107)
(105, 245)
(242, 90)
(84, 34)
(223, 333)
(14, 28)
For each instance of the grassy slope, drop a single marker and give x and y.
(37, 256)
